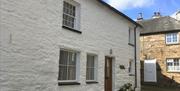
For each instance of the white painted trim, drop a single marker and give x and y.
(77, 14)
(171, 60)
(78, 66)
(171, 35)
(174, 71)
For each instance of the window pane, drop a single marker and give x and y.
(69, 15)
(71, 73)
(168, 39)
(91, 74)
(174, 37)
(67, 66)
(74, 10)
(90, 71)
(87, 74)
(72, 59)
(170, 68)
(176, 62)
(90, 60)
(65, 10)
(173, 64)
(63, 57)
(131, 35)
(171, 38)
(62, 73)
(170, 64)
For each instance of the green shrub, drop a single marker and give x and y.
(126, 87)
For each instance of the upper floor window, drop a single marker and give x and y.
(71, 14)
(131, 36)
(91, 68)
(172, 38)
(68, 65)
(173, 64)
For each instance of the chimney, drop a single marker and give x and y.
(178, 15)
(140, 17)
(156, 15)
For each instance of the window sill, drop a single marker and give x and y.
(68, 83)
(91, 82)
(172, 44)
(173, 71)
(71, 29)
(131, 44)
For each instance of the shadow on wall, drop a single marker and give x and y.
(162, 80)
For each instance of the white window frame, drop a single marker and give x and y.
(170, 35)
(77, 65)
(171, 60)
(77, 14)
(95, 67)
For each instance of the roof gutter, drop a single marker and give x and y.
(160, 32)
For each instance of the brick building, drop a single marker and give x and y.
(160, 41)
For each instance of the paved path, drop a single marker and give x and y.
(154, 88)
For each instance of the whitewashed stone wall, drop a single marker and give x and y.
(31, 37)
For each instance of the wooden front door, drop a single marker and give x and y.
(108, 74)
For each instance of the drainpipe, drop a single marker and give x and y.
(135, 56)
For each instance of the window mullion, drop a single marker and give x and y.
(69, 15)
(173, 64)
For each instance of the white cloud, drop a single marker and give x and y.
(129, 4)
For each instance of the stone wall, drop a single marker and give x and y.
(154, 47)
(31, 36)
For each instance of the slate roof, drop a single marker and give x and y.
(159, 25)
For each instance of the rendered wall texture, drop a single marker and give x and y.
(31, 36)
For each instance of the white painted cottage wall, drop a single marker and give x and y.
(31, 37)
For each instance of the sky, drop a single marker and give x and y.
(147, 7)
